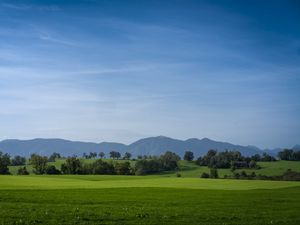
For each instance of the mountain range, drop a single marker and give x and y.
(146, 146)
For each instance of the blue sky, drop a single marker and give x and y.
(124, 70)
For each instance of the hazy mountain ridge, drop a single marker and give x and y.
(296, 148)
(146, 146)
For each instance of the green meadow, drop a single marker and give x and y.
(116, 181)
(152, 199)
(96, 199)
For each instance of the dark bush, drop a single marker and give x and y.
(214, 173)
(51, 170)
(204, 175)
(22, 171)
(18, 161)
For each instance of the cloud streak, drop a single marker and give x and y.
(26, 7)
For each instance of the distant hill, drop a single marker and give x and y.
(157, 145)
(296, 148)
(64, 147)
(146, 146)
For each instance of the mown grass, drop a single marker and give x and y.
(150, 206)
(96, 199)
(113, 181)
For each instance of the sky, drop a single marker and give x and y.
(124, 70)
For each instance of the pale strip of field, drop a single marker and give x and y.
(98, 181)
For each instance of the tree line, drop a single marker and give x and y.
(143, 165)
(289, 154)
(74, 165)
(231, 159)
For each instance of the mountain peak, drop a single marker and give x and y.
(206, 139)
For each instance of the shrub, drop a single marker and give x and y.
(204, 175)
(243, 174)
(291, 175)
(52, 170)
(252, 164)
(22, 171)
(236, 175)
(214, 173)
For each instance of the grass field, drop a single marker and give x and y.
(146, 200)
(153, 199)
(113, 181)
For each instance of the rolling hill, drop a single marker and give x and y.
(146, 146)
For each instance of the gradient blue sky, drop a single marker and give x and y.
(124, 70)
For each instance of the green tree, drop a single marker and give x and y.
(170, 161)
(71, 166)
(115, 155)
(289, 154)
(22, 171)
(101, 155)
(127, 155)
(39, 163)
(54, 156)
(92, 155)
(18, 161)
(267, 158)
(214, 173)
(102, 167)
(51, 169)
(188, 156)
(252, 164)
(204, 175)
(123, 168)
(4, 163)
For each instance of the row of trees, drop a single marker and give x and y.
(144, 164)
(112, 154)
(289, 175)
(166, 162)
(265, 157)
(39, 164)
(73, 165)
(289, 154)
(227, 159)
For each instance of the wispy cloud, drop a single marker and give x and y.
(48, 38)
(25, 7)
